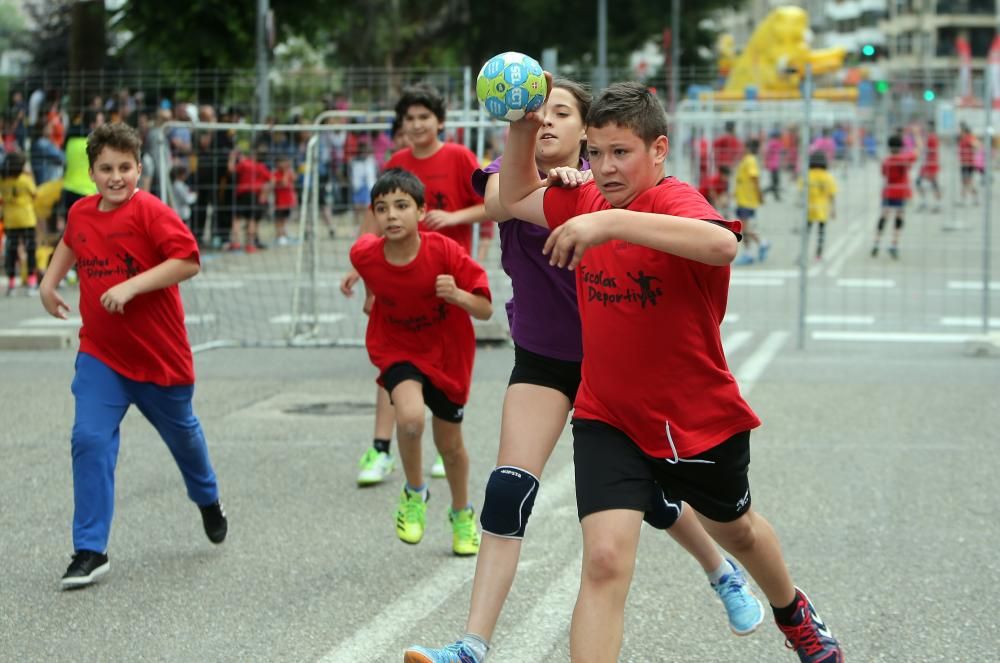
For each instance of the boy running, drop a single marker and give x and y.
(445, 169)
(420, 337)
(671, 420)
(895, 193)
(131, 251)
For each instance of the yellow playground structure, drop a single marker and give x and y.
(773, 64)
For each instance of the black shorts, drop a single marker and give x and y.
(283, 214)
(533, 368)
(434, 398)
(968, 171)
(612, 472)
(248, 206)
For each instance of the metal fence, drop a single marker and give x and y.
(940, 287)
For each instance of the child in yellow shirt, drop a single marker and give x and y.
(17, 192)
(822, 189)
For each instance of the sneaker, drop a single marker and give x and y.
(456, 652)
(810, 638)
(763, 250)
(744, 610)
(464, 536)
(894, 253)
(874, 252)
(87, 566)
(251, 248)
(411, 516)
(743, 259)
(437, 469)
(213, 517)
(375, 467)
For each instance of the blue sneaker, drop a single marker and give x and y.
(456, 652)
(744, 610)
(743, 259)
(762, 250)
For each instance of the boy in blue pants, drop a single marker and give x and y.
(131, 251)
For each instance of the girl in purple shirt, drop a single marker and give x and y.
(545, 325)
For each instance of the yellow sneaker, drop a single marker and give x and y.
(464, 536)
(411, 516)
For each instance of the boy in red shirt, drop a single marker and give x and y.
(131, 251)
(931, 167)
(445, 169)
(657, 407)
(253, 182)
(895, 193)
(284, 198)
(420, 337)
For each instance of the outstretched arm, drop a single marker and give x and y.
(520, 194)
(169, 272)
(694, 239)
(477, 306)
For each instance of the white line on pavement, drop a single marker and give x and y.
(968, 322)
(866, 283)
(837, 264)
(750, 370)
(383, 631)
(821, 319)
(890, 337)
(972, 285)
(735, 341)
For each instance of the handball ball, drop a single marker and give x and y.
(510, 85)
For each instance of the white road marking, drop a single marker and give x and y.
(735, 341)
(889, 337)
(325, 318)
(968, 322)
(866, 283)
(750, 370)
(821, 319)
(972, 285)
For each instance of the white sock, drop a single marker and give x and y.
(476, 645)
(724, 569)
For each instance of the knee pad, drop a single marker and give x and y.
(899, 222)
(881, 223)
(510, 495)
(663, 513)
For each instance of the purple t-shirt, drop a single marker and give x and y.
(543, 315)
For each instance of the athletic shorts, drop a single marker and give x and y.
(248, 206)
(282, 214)
(968, 171)
(745, 213)
(558, 374)
(434, 398)
(612, 472)
(893, 202)
(362, 195)
(487, 230)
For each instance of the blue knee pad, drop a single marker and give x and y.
(663, 513)
(510, 495)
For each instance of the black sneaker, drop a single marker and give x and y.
(213, 517)
(87, 566)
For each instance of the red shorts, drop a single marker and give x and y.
(487, 230)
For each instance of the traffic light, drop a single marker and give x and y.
(928, 95)
(868, 50)
(882, 86)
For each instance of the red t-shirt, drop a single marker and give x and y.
(653, 365)
(408, 322)
(713, 185)
(447, 179)
(284, 189)
(148, 343)
(251, 176)
(728, 150)
(896, 171)
(967, 150)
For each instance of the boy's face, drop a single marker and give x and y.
(421, 126)
(116, 175)
(622, 164)
(397, 215)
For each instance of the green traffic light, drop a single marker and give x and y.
(928, 95)
(882, 86)
(867, 50)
